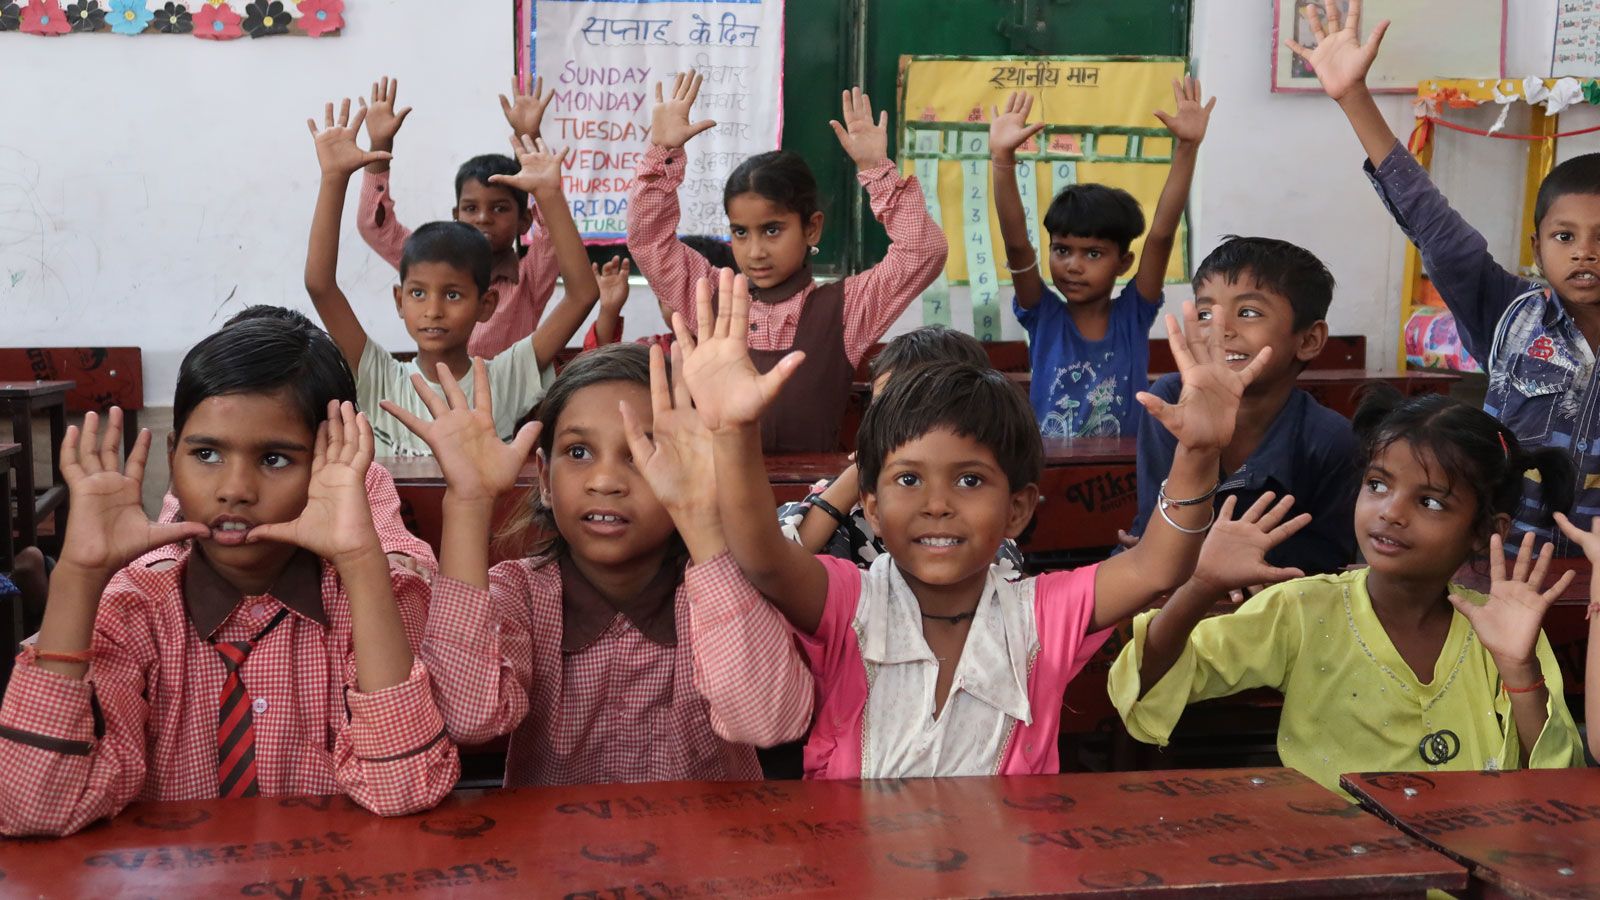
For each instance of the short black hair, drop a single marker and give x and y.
(1476, 452)
(928, 344)
(973, 401)
(781, 176)
(266, 311)
(453, 243)
(482, 168)
(1278, 266)
(1578, 175)
(265, 355)
(1096, 211)
(716, 251)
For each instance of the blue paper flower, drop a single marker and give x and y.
(128, 16)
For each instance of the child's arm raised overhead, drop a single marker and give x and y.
(613, 281)
(1008, 131)
(1202, 420)
(339, 157)
(745, 662)
(874, 299)
(1188, 128)
(524, 112)
(541, 178)
(1341, 62)
(731, 396)
(376, 221)
(670, 266)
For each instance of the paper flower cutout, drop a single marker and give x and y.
(318, 17)
(217, 23)
(86, 15)
(128, 16)
(263, 18)
(1566, 92)
(45, 17)
(1591, 92)
(10, 16)
(174, 18)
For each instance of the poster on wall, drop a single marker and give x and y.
(214, 20)
(1469, 42)
(603, 60)
(1577, 40)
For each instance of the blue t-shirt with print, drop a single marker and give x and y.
(1082, 387)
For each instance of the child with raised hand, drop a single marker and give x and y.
(1590, 542)
(928, 663)
(1535, 339)
(157, 685)
(499, 210)
(613, 281)
(772, 206)
(1389, 667)
(444, 289)
(627, 647)
(1090, 351)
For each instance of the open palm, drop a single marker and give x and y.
(1508, 623)
(1204, 415)
(1339, 59)
(336, 523)
(1188, 123)
(669, 119)
(476, 463)
(728, 390)
(1009, 128)
(1234, 554)
(864, 140)
(675, 455)
(337, 150)
(525, 111)
(541, 166)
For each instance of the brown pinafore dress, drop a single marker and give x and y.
(806, 416)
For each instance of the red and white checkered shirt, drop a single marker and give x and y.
(393, 536)
(142, 725)
(873, 299)
(623, 708)
(523, 289)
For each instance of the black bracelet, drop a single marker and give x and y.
(817, 501)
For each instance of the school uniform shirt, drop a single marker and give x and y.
(1309, 451)
(875, 676)
(1083, 388)
(672, 685)
(523, 287)
(393, 536)
(515, 382)
(1350, 702)
(873, 299)
(1541, 370)
(855, 540)
(142, 724)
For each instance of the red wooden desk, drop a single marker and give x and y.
(1235, 834)
(1521, 834)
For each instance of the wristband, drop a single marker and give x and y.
(1527, 690)
(817, 501)
(81, 657)
(1166, 502)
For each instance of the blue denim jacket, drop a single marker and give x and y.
(1541, 371)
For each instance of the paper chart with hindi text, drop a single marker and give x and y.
(1101, 130)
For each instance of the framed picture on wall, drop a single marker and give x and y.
(1468, 42)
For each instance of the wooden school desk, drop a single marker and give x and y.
(1233, 833)
(19, 401)
(1521, 834)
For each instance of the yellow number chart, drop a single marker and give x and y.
(1101, 129)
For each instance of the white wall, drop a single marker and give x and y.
(151, 187)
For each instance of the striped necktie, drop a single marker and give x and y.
(236, 741)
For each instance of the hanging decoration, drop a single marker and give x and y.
(217, 20)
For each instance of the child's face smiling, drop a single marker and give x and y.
(1410, 521)
(603, 507)
(1568, 247)
(440, 304)
(1086, 269)
(1252, 319)
(942, 506)
(770, 243)
(494, 212)
(242, 460)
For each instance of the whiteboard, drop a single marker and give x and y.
(1577, 41)
(1426, 39)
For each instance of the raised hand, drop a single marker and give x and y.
(613, 280)
(1188, 124)
(675, 456)
(108, 527)
(728, 391)
(669, 119)
(1008, 129)
(336, 523)
(1234, 555)
(477, 465)
(337, 151)
(865, 142)
(526, 110)
(1203, 418)
(1508, 623)
(1590, 542)
(541, 166)
(1339, 59)
(383, 120)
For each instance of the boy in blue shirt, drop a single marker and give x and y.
(1536, 340)
(1268, 293)
(1090, 351)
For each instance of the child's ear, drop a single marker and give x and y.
(544, 478)
(814, 229)
(1311, 341)
(869, 507)
(1023, 503)
(455, 213)
(486, 304)
(1499, 523)
(397, 309)
(172, 448)
(525, 221)
(1126, 263)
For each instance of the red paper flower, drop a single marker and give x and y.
(216, 23)
(318, 17)
(44, 17)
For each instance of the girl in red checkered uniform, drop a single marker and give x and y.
(585, 651)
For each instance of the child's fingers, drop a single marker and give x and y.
(1352, 17)
(362, 457)
(639, 445)
(1155, 406)
(1032, 130)
(1376, 38)
(659, 99)
(480, 387)
(1497, 559)
(361, 116)
(141, 453)
(110, 439)
(705, 318)
(1177, 344)
(1559, 588)
(681, 398)
(660, 391)
(736, 287)
(773, 381)
(883, 120)
(344, 112)
(88, 439)
(407, 418)
(1256, 510)
(1210, 105)
(1570, 530)
(1225, 512)
(336, 429)
(1278, 512)
(1276, 575)
(527, 436)
(430, 398)
(505, 106)
(453, 393)
(312, 125)
(70, 467)
(319, 447)
(680, 331)
(1524, 561)
(1289, 529)
(375, 94)
(327, 115)
(1541, 565)
(1255, 367)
